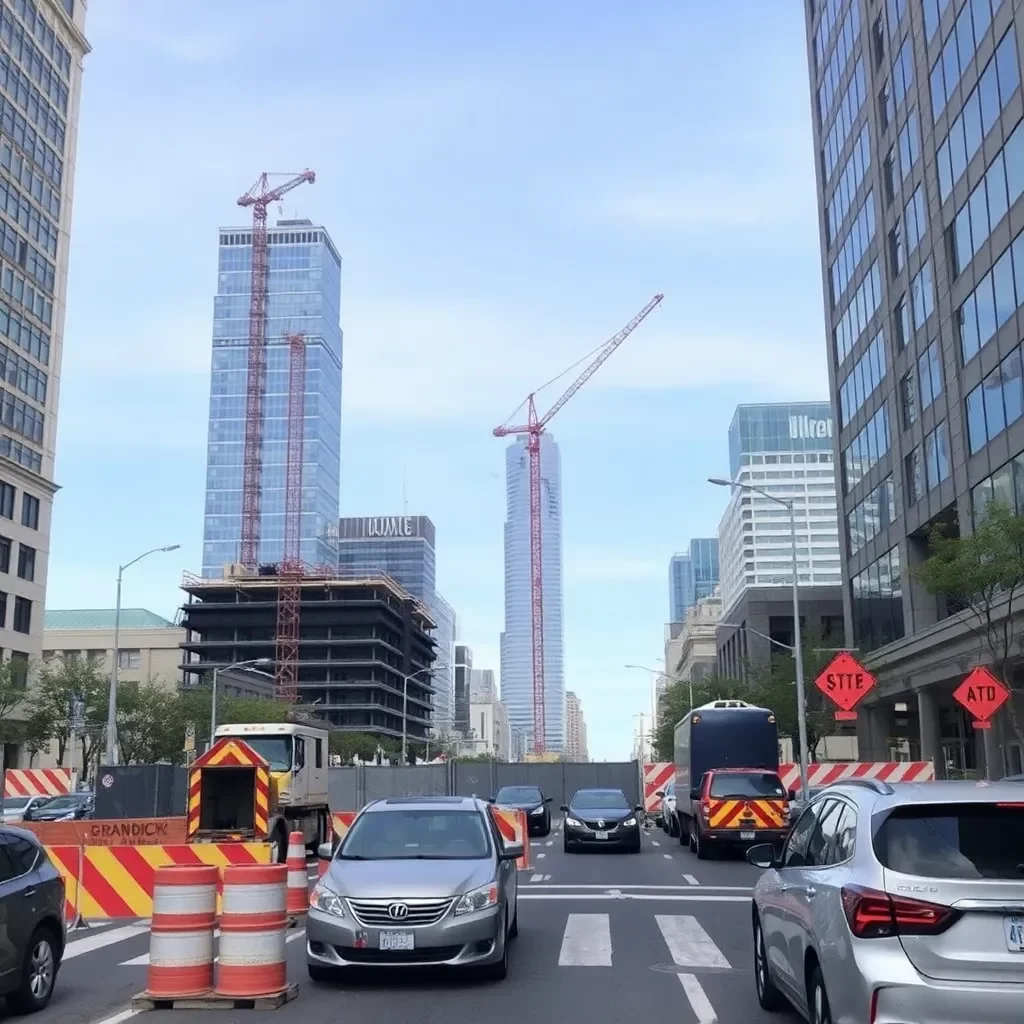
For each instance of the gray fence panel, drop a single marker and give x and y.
(622, 775)
(473, 778)
(382, 781)
(343, 789)
(548, 778)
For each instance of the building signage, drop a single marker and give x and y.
(386, 528)
(806, 427)
(389, 526)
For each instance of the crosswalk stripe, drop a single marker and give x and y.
(698, 999)
(586, 942)
(688, 943)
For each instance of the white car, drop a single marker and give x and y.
(14, 807)
(669, 822)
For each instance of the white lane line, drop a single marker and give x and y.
(654, 842)
(658, 888)
(550, 842)
(535, 842)
(668, 897)
(699, 1002)
(667, 856)
(688, 943)
(118, 1017)
(586, 942)
(536, 878)
(691, 879)
(299, 933)
(539, 855)
(90, 942)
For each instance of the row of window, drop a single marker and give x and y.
(45, 35)
(912, 313)
(877, 603)
(927, 465)
(933, 10)
(958, 50)
(908, 145)
(867, 373)
(992, 302)
(40, 111)
(22, 171)
(1004, 487)
(860, 310)
(29, 505)
(858, 238)
(26, 256)
(877, 512)
(25, 292)
(921, 384)
(996, 403)
(19, 372)
(21, 417)
(893, 95)
(997, 84)
(856, 166)
(986, 206)
(849, 108)
(26, 559)
(823, 33)
(31, 142)
(833, 74)
(866, 449)
(25, 335)
(913, 225)
(27, 215)
(894, 10)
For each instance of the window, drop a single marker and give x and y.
(867, 373)
(997, 402)
(848, 182)
(909, 144)
(915, 217)
(129, 659)
(795, 853)
(958, 51)
(901, 317)
(833, 73)
(846, 114)
(897, 250)
(936, 456)
(6, 500)
(903, 72)
(22, 615)
(5, 554)
(3, 610)
(29, 511)
(913, 466)
(873, 515)
(929, 374)
(865, 449)
(1005, 486)
(858, 238)
(932, 13)
(992, 302)
(319, 752)
(817, 848)
(26, 562)
(922, 292)
(877, 603)
(19, 667)
(908, 399)
(861, 307)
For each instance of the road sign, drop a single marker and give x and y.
(846, 682)
(982, 695)
(190, 737)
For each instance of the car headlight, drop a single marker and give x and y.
(537, 810)
(327, 901)
(629, 822)
(479, 899)
(573, 822)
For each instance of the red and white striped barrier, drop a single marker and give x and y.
(253, 927)
(883, 771)
(656, 776)
(36, 782)
(298, 880)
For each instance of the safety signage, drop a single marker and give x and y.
(982, 695)
(846, 682)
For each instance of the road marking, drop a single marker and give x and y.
(536, 878)
(539, 855)
(586, 942)
(699, 1002)
(90, 942)
(691, 879)
(535, 842)
(299, 933)
(118, 1017)
(671, 888)
(654, 842)
(667, 856)
(550, 842)
(688, 943)
(706, 898)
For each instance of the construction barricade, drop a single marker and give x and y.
(656, 776)
(36, 782)
(512, 825)
(341, 822)
(883, 771)
(298, 879)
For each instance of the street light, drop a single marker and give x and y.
(654, 690)
(250, 665)
(797, 649)
(405, 700)
(112, 703)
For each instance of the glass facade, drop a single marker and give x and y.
(764, 429)
(680, 587)
(692, 576)
(304, 297)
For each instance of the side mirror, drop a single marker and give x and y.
(565, 808)
(762, 855)
(512, 851)
(325, 851)
(694, 794)
(791, 794)
(548, 799)
(639, 808)
(660, 792)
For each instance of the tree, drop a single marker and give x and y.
(984, 572)
(49, 705)
(350, 745)
(674, 705)
(148, 723)
(13, 693)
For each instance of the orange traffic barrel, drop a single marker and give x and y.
(181, 932)
(298, 880)
(253, 927)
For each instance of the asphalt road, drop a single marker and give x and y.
(602, 936)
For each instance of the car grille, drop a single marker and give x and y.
(374, 913)
(608, 826)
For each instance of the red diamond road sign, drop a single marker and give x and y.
(846, 682)
(982, 695)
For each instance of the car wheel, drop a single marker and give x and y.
(279, 847)
(38, 974)
(768, 996)
(499, 971)
(821, 1012)
(702, 851)
(319, 973)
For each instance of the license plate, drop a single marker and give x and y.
(747, 835)
(396, 941)
(1014, 928)
(600, 835)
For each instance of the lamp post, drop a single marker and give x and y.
(656, 674)
(251, 666)
(111, 757)
(405, 700)
(798, 654)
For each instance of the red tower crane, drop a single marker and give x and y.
(259, 197)
(533, 428)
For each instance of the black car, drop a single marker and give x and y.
(32, 911)
(531, 800)
(70, 807)
(601, 819)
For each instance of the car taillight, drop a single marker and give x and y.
(877, 915)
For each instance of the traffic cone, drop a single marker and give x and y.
(298, 881)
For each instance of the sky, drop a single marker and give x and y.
(508, 183)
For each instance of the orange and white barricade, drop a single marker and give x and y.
(181, 932)
(884, 771)
(36, 782)
(656, 776)
(298, 880)
(512, 826)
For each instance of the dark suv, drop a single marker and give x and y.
(32, 909)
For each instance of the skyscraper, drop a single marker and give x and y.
(516, 640)
(304, 297)
(692, 575)
(43, 47)
(919, 160)
(463, 675)
(575, 729)
(680, 586)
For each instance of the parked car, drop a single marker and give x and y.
(667, 814)
(16, 807)
(531, 800)
(601, 819)
(70, 807)
(888, 900)
(33, 927)
(423, 881)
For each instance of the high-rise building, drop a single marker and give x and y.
(517, 639)
(463, 672)
(43, 47)
(482, 687)
(403, 547)
(692, 575)
(680, 585)
(303, 297)
(575, 729)
(919, 159)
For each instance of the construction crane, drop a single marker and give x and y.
(259, 197)
(291, 567)
(533, 428)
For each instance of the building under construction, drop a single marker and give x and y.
(360, 641)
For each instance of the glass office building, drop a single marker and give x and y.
(692, 576)
(517, 639)
(304, 297)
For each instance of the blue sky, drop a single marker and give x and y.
(508, 182)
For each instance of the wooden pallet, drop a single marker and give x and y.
(212, 1001)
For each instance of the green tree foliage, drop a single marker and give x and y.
(13, 692)
(675, 705)
(48, 705)
(350, 745)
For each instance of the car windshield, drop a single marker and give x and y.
(275, 750)
(416, 835)
(746, 786)
(600, 800)
(64, 803)
(518, 795)
(954, 841)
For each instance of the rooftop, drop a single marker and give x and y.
(103, 618)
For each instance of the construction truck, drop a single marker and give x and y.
(260, 782)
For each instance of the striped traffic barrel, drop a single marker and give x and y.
(253, 926)
(181, 932)
(298, 880)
